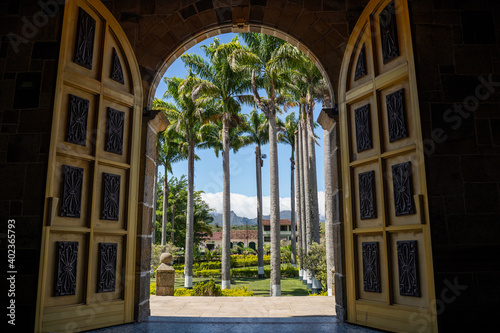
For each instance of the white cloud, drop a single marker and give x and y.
(245, 206)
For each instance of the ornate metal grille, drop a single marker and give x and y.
(403, 189)
(77, 120)
(371, 268)
(71, 192)
(84, 48)
(409, 282)
(396, 115)
(110, 196)
(66, 263)
(363, 128)
(360, 70)
(367, 199)
(389, 33)
(116, 68)
(107, 267)
(114, 137)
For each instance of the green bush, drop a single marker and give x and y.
(183, 292)
(152, 288)
(207, 289)
(211, 273)
(321, 293)
(240, 291)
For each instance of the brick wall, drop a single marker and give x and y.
(29, 50)
(457, 52)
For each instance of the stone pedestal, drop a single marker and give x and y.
(165, 276)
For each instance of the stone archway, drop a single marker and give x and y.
(162, 31)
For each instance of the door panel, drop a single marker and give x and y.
(388, 257)
(88, 241)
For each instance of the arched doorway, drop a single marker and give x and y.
(161, 33)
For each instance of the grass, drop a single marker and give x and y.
(260, 287)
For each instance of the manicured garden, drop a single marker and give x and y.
(244, 279)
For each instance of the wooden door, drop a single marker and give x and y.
(390, 282)
(87, 262)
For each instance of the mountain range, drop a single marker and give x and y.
(237, 220)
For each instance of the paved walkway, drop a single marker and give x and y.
(308, 314)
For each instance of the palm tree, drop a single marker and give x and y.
(186, 119)
(258, 133)
(288, 136)
(169, 152)
(258, 61)
(223, 90)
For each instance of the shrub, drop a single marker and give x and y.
(315, 261)
(207, 289)
(211, 273)
(183, 292)
(235, 292)
(321, 293)
(152, 288)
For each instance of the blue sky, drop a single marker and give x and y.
(208, 171)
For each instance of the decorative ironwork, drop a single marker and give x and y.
(65, 275)
(110, 196)
(116, 68)
(71, 192)
(396, 115)
(403, 189)
(84, 48)
(77, 120)
(107, 267)
(114, 131)
(389, 33)
(362, 121)
(360, 70)
(367, 199)
(409, 282)
(371, 268)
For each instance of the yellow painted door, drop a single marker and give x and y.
(390, 283)
(87, 262)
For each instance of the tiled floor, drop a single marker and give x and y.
(240, 314)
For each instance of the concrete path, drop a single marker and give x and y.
(242, 307)
(308, 314)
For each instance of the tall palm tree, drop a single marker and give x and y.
(186, 119)
(170, 151)
(288, 136)
(257, 60)
(223, 90)
(258, 133)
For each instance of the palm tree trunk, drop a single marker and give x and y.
(293, 246)
(188, 260)
(260, 232)
(307, 185)
(172, 234)
(226, 208)
(329, 209)
(298, 199)
(307, 195)
(165, 209)
(313, 183)
(302, 199)
(275, 209)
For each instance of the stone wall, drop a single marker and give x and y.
(457, 55)
(29, 50)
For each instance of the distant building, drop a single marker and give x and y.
(248, 238)
(285, 230)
